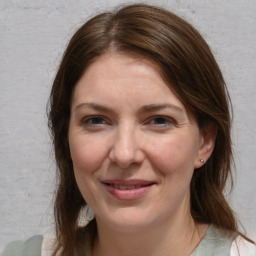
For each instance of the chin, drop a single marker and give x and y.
(127, 222)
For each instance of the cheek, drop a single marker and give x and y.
(87, 154)
(172, 155)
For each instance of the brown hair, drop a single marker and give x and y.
(187, 64)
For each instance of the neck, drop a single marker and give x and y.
(178, 238)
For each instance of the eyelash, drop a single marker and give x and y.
(167, 121)
(155, 121)
(88, 121)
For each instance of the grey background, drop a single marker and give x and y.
(33, 35)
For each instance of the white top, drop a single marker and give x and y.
(216, 242)
(239, 247)
(47, 245)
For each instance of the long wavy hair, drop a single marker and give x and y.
(187, 64)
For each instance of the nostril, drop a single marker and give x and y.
(125, 157)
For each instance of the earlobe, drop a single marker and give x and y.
(208, 137)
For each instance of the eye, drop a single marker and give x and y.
(94, 121)
(161, 122)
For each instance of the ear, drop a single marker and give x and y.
(207, 142)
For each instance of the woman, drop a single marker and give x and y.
(139, 115)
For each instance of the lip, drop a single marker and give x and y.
(128, 189)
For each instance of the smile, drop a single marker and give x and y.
(128, 190)
(122, 187)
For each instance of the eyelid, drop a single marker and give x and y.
(104, 121)
(169, 121)
(85, 120)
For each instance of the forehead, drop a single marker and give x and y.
(120, 80)
(113, 65)
(113, 72)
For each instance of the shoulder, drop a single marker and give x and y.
(220, 242)
(30, 247)
(242, 247)
(48, 245)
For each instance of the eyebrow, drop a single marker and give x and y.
(94, 106)
(146, 108)
(156, 107)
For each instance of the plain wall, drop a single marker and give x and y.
(33, 35)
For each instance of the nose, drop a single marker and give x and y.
(126, 149)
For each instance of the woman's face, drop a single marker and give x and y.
(134, 148)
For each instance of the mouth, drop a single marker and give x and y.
(127, 184)
(128, 189)
(123, 187)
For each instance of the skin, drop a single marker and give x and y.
(127, 124)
